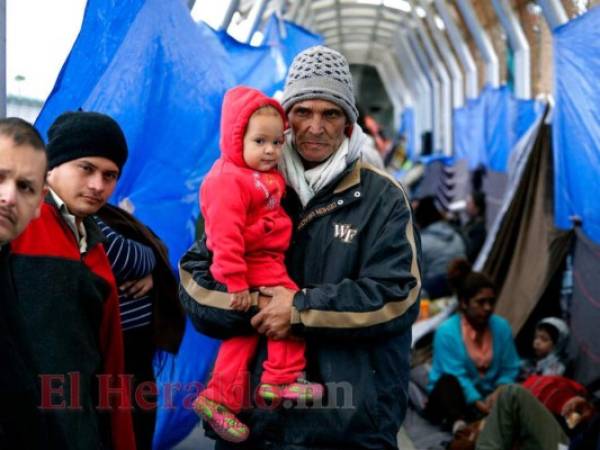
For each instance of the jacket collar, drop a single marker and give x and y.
(350, 178)
(93, 234)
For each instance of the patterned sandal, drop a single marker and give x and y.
(302, 390)
(270, 392)
(221, 420)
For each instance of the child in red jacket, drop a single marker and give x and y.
(248, 232)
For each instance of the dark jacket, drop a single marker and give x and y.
(68, 301)
(357, 254)
(474, 234)
(21, 424)
(168, 320)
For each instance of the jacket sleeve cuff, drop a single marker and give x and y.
(236, 284)
(473, 397)
(298, 305)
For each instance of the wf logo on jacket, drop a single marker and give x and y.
(344, 232)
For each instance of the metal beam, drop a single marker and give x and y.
(2, 58)
(292, 13)
(254, 19)
(461, 49)
(394, 86)
(414, 97)
(400, 82)
(421, 86)
(435, 84)
(393, 81)
(303, 13)
(443, 139)
(519, 45)
(232, 7)
(492, 71)
(456, 76)
(554, 12)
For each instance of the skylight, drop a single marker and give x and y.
(401, 5)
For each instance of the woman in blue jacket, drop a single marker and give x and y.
(473, 352)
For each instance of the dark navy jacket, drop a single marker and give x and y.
(356, 254)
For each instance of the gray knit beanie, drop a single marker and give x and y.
(320, 73)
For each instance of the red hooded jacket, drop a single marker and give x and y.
(247, 229)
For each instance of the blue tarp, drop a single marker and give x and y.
(469, 135)
(162, 77)
(80, 72)
(259, 67)
(265, 66)
(576, 123)
(407, 129)
(288, 39)
(156, 74)
(487, 128)
(443, 159)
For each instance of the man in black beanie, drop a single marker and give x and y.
(67, 292)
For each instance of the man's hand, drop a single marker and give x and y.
(482, 407)
(580, 406)
(263, 300)
(273, 320)
(490, 400)
(138, 288)
(240, 301)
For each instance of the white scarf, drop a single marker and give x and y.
(307, 183)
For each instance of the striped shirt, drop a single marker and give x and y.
(130, 260)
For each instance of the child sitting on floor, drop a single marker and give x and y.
(549, 345)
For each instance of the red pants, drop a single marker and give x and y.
(230, 382)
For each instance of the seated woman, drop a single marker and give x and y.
(473, 352)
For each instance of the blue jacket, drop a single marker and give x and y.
(450, 357)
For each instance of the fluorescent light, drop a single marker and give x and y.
(257, 38)
(210, 13)
(402, 5)
(439, 22)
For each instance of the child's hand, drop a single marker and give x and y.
(240, 301)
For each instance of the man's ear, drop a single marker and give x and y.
(348, 129)
(42, 197)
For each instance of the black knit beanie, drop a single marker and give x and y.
(74, 135)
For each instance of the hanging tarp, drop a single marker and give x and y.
(576, 122)
(527, 251)
(161, 81)
(469, 135)
(487, 128)
(259, 67)
(585, 309)
(433, 175)
(80, 72)
(288, 39)
(407, 129)
(500, 189)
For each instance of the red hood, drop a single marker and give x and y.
(238, 105)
